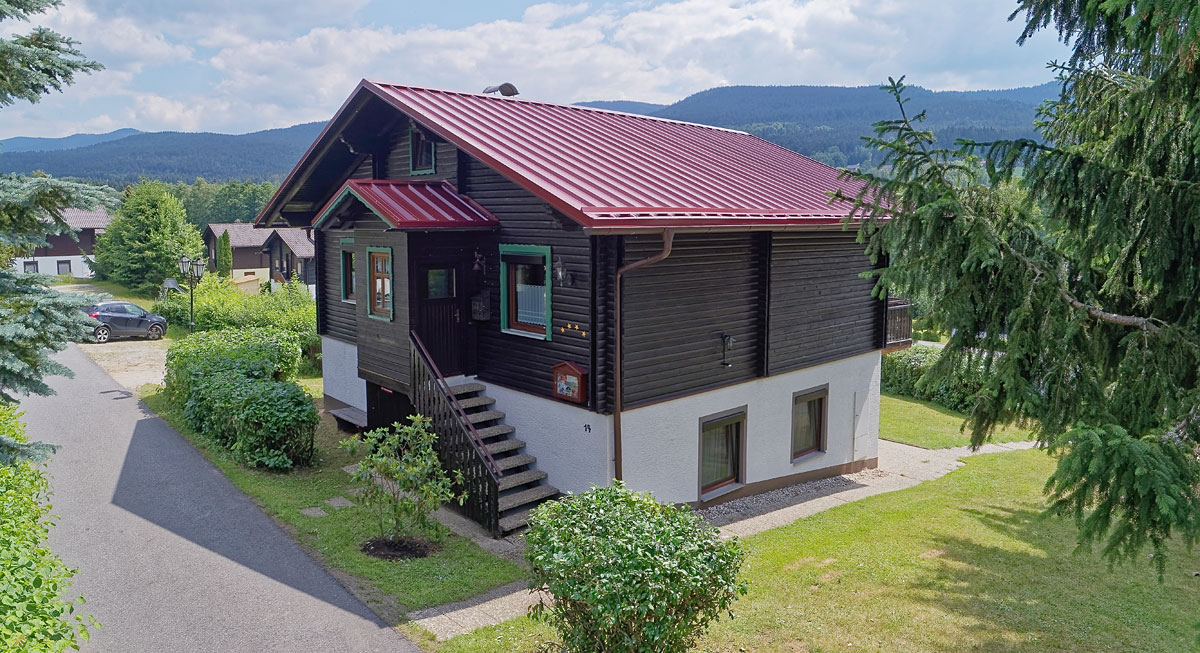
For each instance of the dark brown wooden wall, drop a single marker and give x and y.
(64, 245)
(383, 356)
(511, 360)
(821, 310)
(399, 162)
(675, 312)
(336, 319)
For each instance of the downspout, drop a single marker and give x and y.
(668, 237)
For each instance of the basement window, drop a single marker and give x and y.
(29, 267)
(421, 149)
(809, 422)
(379, 261)
(525, 290)
(721, 439)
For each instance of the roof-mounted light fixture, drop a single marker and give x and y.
(506, 89)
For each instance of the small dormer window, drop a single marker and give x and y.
(421, 151)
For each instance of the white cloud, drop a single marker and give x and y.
(278, 62)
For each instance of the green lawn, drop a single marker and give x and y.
(927, 425)
(960, 563)
(461, 570)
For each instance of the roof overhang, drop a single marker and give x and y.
(410, 205)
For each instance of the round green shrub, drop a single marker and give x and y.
(252, 352)
(274, 424)
(628, 573)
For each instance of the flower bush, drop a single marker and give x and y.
(36, 614)
(628, 573)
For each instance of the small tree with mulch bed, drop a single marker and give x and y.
(404, 485)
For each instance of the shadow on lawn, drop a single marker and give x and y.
(166, 481)
(1033, 593)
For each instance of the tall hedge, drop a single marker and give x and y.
(235, 386)
(907, 372)
(36, 613)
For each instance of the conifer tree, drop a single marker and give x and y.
(35, 320)
(142, 245)
(224, 255)
(1070, 268)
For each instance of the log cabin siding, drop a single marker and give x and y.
(605, 261)
(383, 356)
(515, 361)
(399, 161)
(820, 309)
(338, 319)
(675, 313)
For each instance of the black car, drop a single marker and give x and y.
(122, 319)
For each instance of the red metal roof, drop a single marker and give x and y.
(413, 204)
(618, 171)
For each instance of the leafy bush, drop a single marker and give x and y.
(628, 573)
(221, 305)
(235, 387)
(904, 372)
(34, 616)
(404, 480)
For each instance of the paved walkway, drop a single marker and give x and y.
(172, 556)
(900, 466)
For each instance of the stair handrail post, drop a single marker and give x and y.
(461, 412)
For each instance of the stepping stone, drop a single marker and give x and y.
(350, 469)
(338, 502)
(312, 512)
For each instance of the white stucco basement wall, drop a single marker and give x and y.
(49, 265)
(572, 445)
(661, 442)
(339, 369)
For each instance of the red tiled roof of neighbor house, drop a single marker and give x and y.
(241, 234)
(623, 172)
(414, 204)
(97, 219)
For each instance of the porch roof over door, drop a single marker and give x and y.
(417, 205)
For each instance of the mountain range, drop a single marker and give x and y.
(825, 122)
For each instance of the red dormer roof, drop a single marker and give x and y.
(412, 204)
(612, 171)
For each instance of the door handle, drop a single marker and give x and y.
(457, 316)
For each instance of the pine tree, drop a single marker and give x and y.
(143, 243)
(1071, 268)
(224, 255)
(35, 320)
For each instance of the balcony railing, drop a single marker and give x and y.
(899, 324)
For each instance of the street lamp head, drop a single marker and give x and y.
(184, 264)
(198, 266)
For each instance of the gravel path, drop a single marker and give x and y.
(171, 555)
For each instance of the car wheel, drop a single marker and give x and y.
(102, 333)
(154, 332)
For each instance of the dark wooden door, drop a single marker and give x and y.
(441, 314)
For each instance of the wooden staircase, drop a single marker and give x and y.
(521, 488)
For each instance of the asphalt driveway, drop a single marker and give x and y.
(172, 556)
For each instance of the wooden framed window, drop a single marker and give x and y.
(64, 267)
(379, 266)
(525, 290)
(349, 277)
(421, 152)
(722, 438)
(809, 414)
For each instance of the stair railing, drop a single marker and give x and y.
(459, 445)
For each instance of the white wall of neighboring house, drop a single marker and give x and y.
(661, 442)
(572, 444)
(339, 370)
(49, 265)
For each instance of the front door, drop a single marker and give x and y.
(440, 319)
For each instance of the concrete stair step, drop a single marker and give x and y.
(495, 431)
(514, 521)
(517, 460)
(510, 481)
(504, 445)
(475, 402)
(467, 388)
(485, 416)
(532, 495)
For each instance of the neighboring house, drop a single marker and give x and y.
(291, 251)
(605, 296)
(249, 259)
(65, 254)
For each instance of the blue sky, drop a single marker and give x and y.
(242, 65)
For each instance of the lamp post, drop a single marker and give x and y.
(191, 271)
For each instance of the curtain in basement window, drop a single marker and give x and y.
(719, 449)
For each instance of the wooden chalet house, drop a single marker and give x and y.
(576, 295)
(67, 254)
(291, 252)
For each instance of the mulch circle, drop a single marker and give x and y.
(400, 548)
